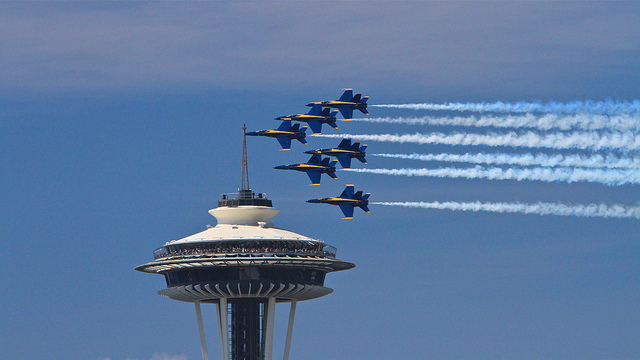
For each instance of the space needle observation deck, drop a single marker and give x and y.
(244, 256)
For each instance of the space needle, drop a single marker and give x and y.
(245, 266)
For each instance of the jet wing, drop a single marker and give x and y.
(316, 126)
(285, 126)
(345, 144)
(315, 109)
(347, 95)
(347, 210)
(346, 111)
(285, 142)
(314, 176)
(345, 161)
(348, 192)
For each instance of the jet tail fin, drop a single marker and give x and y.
(364, 206)
(363, 108)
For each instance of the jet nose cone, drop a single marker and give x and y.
(313, 201)
(310, 104)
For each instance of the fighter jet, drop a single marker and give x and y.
(347, 201)
(284, 133)
(315, 118)
(314, 168)
(344, 152)
(346, 104)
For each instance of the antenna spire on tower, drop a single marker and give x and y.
(245, 167)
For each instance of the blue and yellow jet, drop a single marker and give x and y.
(344, 152)
(347, 201)
(284, 133)
(314, 168)
(315, 118)
(346, 104)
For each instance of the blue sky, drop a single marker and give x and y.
(120, 124)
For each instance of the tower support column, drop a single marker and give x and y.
(271, 315)
(203, 340)
(287, 344)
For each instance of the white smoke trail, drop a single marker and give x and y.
(608, 107)
(544, 122)
(624, 141)
(594, 161)
(606, 177)
(592, 210)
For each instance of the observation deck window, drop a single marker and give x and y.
(242, 274)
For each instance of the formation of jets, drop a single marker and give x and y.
(324, 112)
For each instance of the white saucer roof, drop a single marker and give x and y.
(244, 222)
